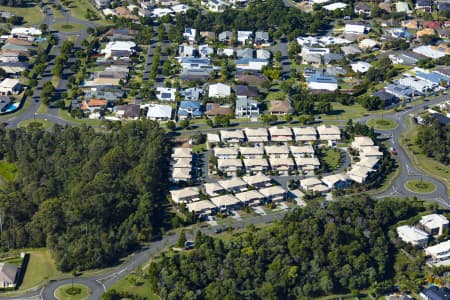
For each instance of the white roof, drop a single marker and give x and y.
(230, 162)
(225, 151)
(181, 173)
(276, 150)
(352, 28)
(249, 195)
(370, 151)
(367, 43)
(277, 131)
(181, 162)
(182, 152)
(310, 182)
(200, 206)
(439, 248)
(368, 162)
(334, 6)
(251, 150)
(272, 191)
(255, 162)
(256, 132)
(25, 31)
(119, 46)
(9, 83)
(320, 188)
(259, 178)
(219, 90)
(304, 131)
(180, 8)
(212, 138)
(212, 187)
(225, 200)
(328, 130)
(159, 111)
(184, 193)
(429, 52)
(361, 66)
(308, 149)
(411, 234)
(361, 141)
(281, 161)
(305, 161)
(232, 134)
(433, 221)
(232, 183)
(359, 173)
(330, 180)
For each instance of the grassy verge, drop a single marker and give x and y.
(136, 285)
(346, 112)
(31, 15)
(382, 124)
(425, 164)
(72, 292)
(35, 123)
(420, 186)
(41, 267)
(43, 109)
(64, 114)
(67, 27)
(7, 170)
(55, 81)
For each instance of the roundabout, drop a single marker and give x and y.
(67, 27)
(420, 186)
(382, 124)
(74, 291)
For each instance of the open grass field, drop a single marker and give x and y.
(421, 161)
(67, 27)
(420, 186)
(31, 15)
(345, 112)
(41, 267)
(66, 116)
(7, 170)
(140, 288)
(78, 9)
(72, 292)
(331, 157)
(276, 96)
(44, 124)
(382, 124)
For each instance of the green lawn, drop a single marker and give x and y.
(331, 157)
(66, 116)
(276, 96)
(31, 15)
(78, 9)
(382, 124)
(72, 292)
(35, 123)
(140, 288)
(40, 267)
(420, 186)
(421, 161)
(345, 112)
(43, 109)
(67, 27)
(7, 170)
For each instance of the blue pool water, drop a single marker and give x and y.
(11, 107)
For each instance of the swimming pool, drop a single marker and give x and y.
(11, 107)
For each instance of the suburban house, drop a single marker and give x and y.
(434, 224)
(8, 275)
(421, 86)
(280, 107)
(360, 142)
(219, 90)
(412, 235)
(307, 164)
(386, 98)
(10, 86)
(119, 49)
(244, 36)
(185, 195)
(401, 91)
(217, 5)
(166, 93)
(435, 293)
(190, 34)
(25, 33)
(359, 174)
(128, 111)
(189, 109)
(229, 166)
(360, 66)
(246, 91)
(439, 252)
(256, 135)
(307, 184)
(336, 181)
(251, 64)
(274, 193)
(254, 165)
(262, 38)
(305, 134)
(246, 108)
(91, 105)
(302, 151)
(234, 185)
(424, 5)
(225, 36)
(159, 112)
(355, 29)
(202, 208)
(258, 180)
(322, 82)
(182, 152)
(232, 136)
(329, 133)
(263, 54)
(277, 151)
(192, 94)
(215, 109)
(280, 134)
(362, 9)
(226, 153)
(213, 189)
(226, 202)
(250, 198)
(282, 165)
(181, 174)
(371, 151)
(369, 162)
(251, 152)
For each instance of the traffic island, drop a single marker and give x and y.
(382, 124)
(420, 186)
(67, 27)
(72, 291)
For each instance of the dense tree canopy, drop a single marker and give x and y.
(434, 140)
(312, 252)
(90, 197)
